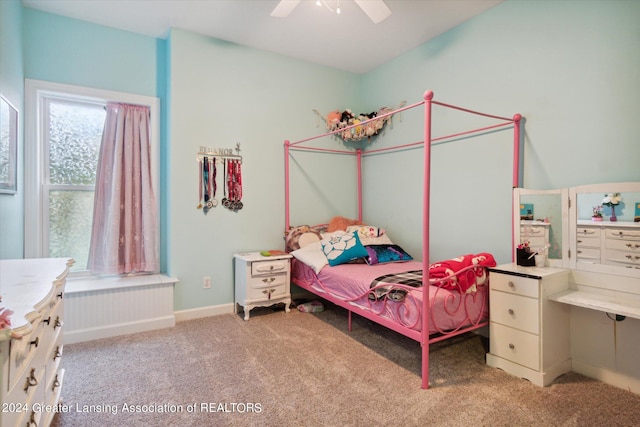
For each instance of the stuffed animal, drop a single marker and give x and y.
(301, 236)
(341, 223)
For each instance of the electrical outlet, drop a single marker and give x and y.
(206, 283)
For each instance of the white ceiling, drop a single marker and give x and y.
(349, 41)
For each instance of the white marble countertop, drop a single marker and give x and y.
(608, 303)
(25, 284)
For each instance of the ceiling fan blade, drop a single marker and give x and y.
(376, 10)
(284, 8)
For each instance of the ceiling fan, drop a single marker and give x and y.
(376, 10)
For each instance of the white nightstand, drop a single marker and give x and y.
(262, 281)
(528, 333)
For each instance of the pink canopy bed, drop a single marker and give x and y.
(425, 302)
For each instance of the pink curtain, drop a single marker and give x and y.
(123, 239)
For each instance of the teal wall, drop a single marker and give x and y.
(569, 67)
(220, 94)
(65, 50)
(12, 88)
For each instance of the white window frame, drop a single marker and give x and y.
(37, 93)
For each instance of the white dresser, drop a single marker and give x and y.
(529, 334)
(261, 281)
(534, 232)
(31, 350)
(609, 243)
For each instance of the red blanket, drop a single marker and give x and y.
(465, 282)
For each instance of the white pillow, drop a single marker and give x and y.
(312, 255)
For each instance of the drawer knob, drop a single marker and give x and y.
(268, 292)
(35, 342)
(58, 323)
(31, 380)
(269, 279)
(57, 353)
(47, 320)
(56, 383)
(511, 312)
(512, 347)
(511, 285)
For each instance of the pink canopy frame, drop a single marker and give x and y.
(428, 101)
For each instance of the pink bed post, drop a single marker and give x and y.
(286, 185)
(359, 160)
(516, 177)
(428, 96)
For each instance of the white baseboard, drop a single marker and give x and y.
(615, 379)
(197, 313)
(108, 331)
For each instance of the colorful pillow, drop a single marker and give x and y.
(301, 236)
(342, 248)
(380, 254)
(370, 235)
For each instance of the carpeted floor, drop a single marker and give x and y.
(301, 369)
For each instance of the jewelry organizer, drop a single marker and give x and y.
(219, 161)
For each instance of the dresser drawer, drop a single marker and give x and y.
(588, 242)
(536, 242)
(518, 346)
(622, 257)
(588, 232)
(623, 234)
(589, 254)
(24, 355)
(532, 231)
(623, 245)
(269, 267)
(515, 311)
(514, 284)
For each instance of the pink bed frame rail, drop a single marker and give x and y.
(428, 102)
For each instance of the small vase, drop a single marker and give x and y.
(613, 214)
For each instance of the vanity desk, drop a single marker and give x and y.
(600, 298)
(529, 335)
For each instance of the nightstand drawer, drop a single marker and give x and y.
(514, 284)
(269, 267)
(269, 291)
(515, 311)
(518, 346)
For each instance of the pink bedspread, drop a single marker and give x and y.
(450, 310)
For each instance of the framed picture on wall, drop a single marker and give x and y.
(8, 147)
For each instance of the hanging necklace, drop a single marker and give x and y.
(213, 200)
(200, 172)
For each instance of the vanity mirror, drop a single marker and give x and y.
(541, 219)
(610, 244)
(8, 146)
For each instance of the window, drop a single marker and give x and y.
(71, 144)
(64, 131)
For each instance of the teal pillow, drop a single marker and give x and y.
(380, 254)
(343, 248)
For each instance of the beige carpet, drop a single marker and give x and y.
(282, 369)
